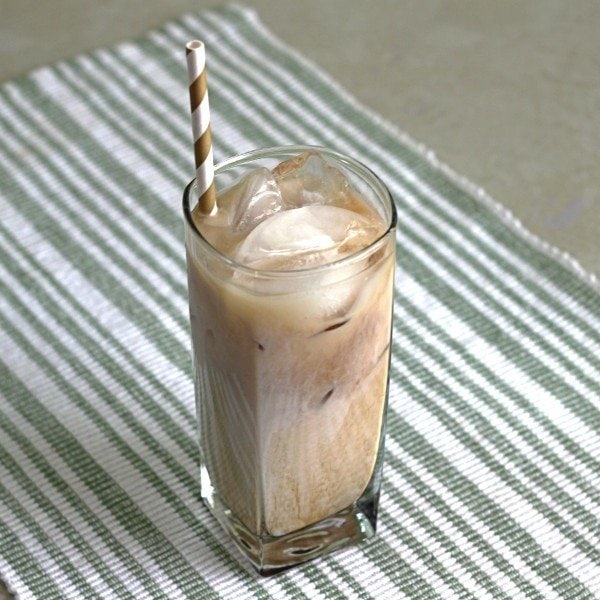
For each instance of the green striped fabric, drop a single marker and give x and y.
(491, 477)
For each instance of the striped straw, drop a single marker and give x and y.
(196, 63)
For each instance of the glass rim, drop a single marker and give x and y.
(352, 164)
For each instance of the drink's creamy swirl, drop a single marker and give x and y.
(291, 371)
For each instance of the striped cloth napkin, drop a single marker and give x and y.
(491, 478)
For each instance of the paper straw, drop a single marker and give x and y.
(203, 154)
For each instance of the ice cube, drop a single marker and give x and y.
(307, 236)
(308, 179)
(252, 199)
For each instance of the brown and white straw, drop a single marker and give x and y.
(203, 153)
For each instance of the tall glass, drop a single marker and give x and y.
(291, 378)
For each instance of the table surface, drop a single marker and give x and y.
(507, 94)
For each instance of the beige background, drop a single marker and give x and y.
(506, 92)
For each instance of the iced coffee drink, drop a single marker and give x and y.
(290, 290)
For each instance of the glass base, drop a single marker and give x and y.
(272, 554)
